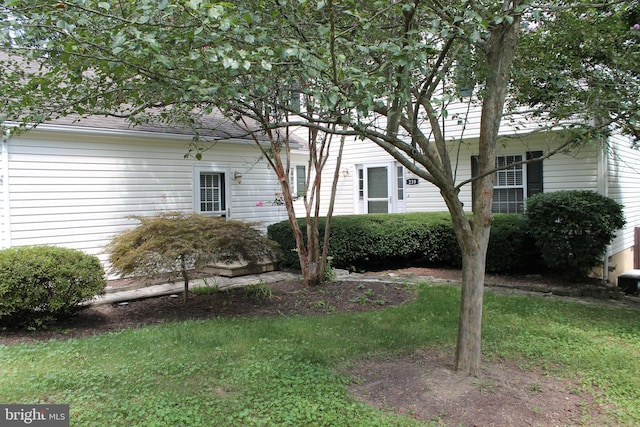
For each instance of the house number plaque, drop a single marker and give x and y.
(412, 181)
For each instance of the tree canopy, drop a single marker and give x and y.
(583, 63)
(380, 70)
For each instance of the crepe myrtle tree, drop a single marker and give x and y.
(380, 70)
(312, 254)
(171, 63)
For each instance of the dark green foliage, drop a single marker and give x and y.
(39, 284)
(381, 241)
(511, 248)
(572, 229)
(177, 243)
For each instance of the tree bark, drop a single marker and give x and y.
(473, 235)
(468, 356)
(185, 277)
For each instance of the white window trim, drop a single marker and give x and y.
(523, 171)
(293, 179)
(401, 188)
(212, 168)
(396, 205)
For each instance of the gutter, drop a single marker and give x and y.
(5, 242)
(137, 133)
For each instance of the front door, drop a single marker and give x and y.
(377, 189)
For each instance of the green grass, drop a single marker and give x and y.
(281, 371)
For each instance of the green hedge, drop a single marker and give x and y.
(380, 241)
(39, 284)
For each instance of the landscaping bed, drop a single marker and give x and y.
(421, 384)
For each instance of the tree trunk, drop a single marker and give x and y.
(473, 239)
(473, 235)
(185, 277)
(468, 351)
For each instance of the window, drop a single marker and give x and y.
(298, 180)
(360, 183)
(513, 183)
(400, 182)
(211, 194)
(508, 189)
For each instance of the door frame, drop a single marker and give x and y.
(361, 183)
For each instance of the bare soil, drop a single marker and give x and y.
(421, 384)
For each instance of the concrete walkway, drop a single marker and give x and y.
(114, 296)
(136, 292)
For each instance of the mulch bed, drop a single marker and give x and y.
(288, 298)
(369, 291)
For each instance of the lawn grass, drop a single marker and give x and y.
(280, 371)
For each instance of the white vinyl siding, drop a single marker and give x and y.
(623, 170)
(572, 170)
(78, 189)
(5, 221)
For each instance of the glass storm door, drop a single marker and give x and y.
(377, 197)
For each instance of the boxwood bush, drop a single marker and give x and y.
(572, 229)
(39, 284)
(381, 241)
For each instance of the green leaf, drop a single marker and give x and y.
(323, 30)
(229, 63)
(118, 40)
(215, 11)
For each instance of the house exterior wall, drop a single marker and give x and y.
(576, 170)
(623, 180)
(4, 186)
(78, 188)
(613, 171)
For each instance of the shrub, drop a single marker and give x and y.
(511, 248)
(381, 241)
(177, 243)
(39, 284)
(572, 229)
(375, 241)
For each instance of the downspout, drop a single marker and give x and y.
(603, 189)
(6, 200)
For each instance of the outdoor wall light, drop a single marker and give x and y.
(237, 177)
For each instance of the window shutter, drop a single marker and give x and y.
(534, 174)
